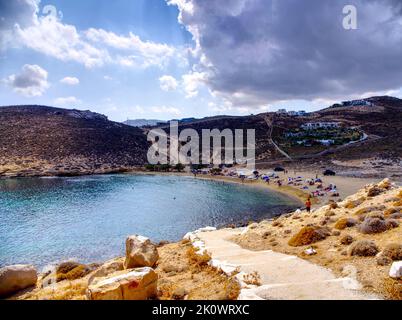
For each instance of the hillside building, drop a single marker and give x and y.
(356, 103)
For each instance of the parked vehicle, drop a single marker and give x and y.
(329, 173)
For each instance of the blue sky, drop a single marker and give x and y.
(189, 58)
(117, 91)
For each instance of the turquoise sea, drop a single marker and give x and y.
(48, 220)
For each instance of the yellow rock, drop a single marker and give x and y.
(133, 284)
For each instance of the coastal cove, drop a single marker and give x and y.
(48, 220)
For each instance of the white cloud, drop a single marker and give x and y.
(133, 50)
(168, 83)
(62, 101)
(108, 78)
(167, 110)
(48, 35)
(61, 41)
(31, 82)
(71, 81)
(21, 12)
(192, 82)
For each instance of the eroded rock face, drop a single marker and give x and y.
(134, 284)
(140, 252)
(16, 278)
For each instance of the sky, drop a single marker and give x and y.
(169, 59)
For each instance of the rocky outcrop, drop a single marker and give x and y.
(135, 284)
(107, 268)
(16, 278)
(140, 252)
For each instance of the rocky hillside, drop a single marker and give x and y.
(382, 122)
(50, 141)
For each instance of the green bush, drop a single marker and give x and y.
(179, 167)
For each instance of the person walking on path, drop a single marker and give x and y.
(308, 205)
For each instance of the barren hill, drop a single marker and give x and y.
(45, 140)
(381, 123)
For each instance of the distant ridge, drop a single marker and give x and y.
(143, 122)
(42, 140)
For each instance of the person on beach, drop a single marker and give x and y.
(308, 205)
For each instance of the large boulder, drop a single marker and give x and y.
(16, 278)
(135, 284)
(140, 252)
(396, 270)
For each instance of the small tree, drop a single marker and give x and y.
(216, 171)
(150, 167)
(179, 167)
(165, 167)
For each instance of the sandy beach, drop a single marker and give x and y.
(346, 185)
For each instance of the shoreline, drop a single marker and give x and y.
(348, 185)
(285, 190)
(351, 183)
(293, 193)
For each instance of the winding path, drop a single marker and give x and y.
(270, 124)
(284, 277)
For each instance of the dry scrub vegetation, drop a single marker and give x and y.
(184, 273)
(363, 231)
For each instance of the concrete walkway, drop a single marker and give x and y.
(283, 276)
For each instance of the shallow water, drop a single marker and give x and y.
(47, 220)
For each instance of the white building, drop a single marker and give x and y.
(356, 103)
(293, 113)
